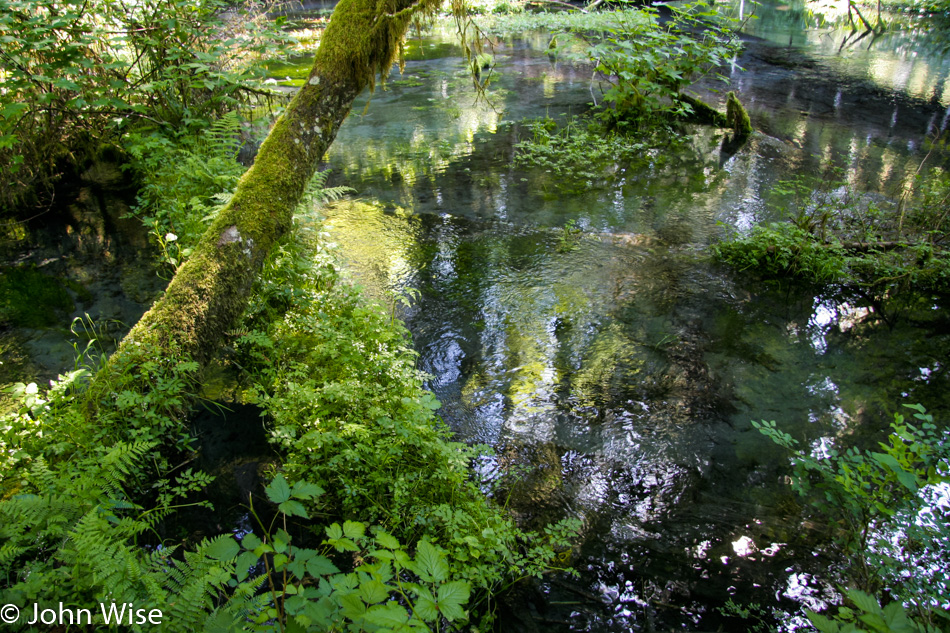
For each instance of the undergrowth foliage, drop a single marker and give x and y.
(90, 474)
(888, 523)
(79, 73)
(580, 149)
(833, 235)
(348, 409)
(645, 65)
(186, 181)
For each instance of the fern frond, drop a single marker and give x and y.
(334, 193)
(224, 136)
(9, 553)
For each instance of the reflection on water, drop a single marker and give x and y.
(619, 366)
(891, 59)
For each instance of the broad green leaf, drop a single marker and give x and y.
(353, 606)
(295, 627)
(426, 609)
(863, 601)
(373, 591)
(293, 508)
(389, 615)
(386, 540)
(321, 566)
(223, 548)
(430, 563)
(297, 568)
(278, 491)
(457, 591)
(250, 541)
(306, 490)
(452, 595)
(343, 545)
(823, 624)
(875, 621)
(13, 109)
(353, 529)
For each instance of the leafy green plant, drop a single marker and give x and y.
(77, 74)
(82, 504)
(834, 235)
(184, 183)
(756, 617)
(780, 250)
(347, 409)
(570, 234)
(887, 530)
(303, 588)
(868, 616)
(645, 65)
(579, 150)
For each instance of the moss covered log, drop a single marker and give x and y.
(737, 117)
(209, 292)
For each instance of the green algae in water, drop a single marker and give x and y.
(29, 298)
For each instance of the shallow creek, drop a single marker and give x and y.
(580, 330)
(614, 371)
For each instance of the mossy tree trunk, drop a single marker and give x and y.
(210, 291)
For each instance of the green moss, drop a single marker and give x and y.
(409, 82)
(210, 290)
(704, 113)
(29, 298)
(737, 117)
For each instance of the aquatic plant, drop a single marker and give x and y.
(782, 251)
(579, 150)
(31, 298)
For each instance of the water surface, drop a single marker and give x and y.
(614, 370)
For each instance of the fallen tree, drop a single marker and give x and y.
(210, 290)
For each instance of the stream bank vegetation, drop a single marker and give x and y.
(87, 510)
(887, 520)
(833, 236)
(77, 77)
(371, 519)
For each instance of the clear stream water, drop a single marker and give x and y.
(615, 372)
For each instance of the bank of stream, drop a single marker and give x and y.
(614, 369)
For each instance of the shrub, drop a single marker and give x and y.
(75, 74)
(886, 521)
